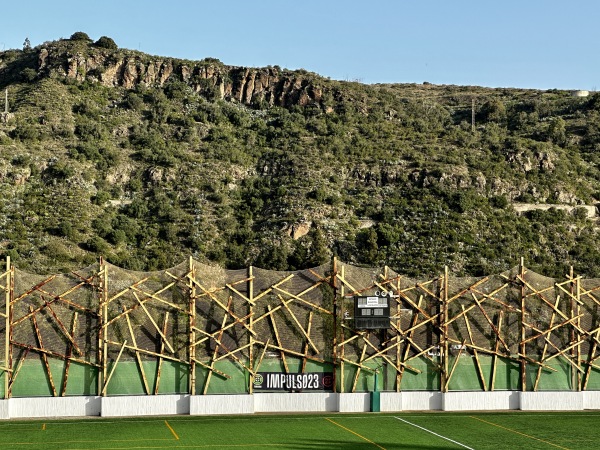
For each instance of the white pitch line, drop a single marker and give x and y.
(438, 435)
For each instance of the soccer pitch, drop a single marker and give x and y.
(429, 431)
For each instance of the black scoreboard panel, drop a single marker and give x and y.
(371, 312)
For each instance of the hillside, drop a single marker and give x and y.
(147, 160)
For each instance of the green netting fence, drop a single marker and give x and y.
(200, 329)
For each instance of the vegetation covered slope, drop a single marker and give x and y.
(147, 160)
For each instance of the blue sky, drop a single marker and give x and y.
(541, 44)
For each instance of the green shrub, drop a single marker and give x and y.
(80, 36)
(106, 42)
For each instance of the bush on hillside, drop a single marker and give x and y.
(106, 42)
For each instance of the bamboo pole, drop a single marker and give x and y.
(191, 328)
(33, 289)
(475, 354)
(138, 356)
(262, 355)
(576, 336)
(591, 358)
(112, 371)
(489, 320)
(278, 340)
(69, 354)
(444, 376)
(299, 298)
(399, 333)
(158, 355)
(359, 366)
(496, 348)
(306, 346)
(456, 360)
(294, 353)
(215, 352)
(334, 350)
(408, 338)
(54, 354)
(17, 369)
(43, 355)
(65, 331)
(343, 312)
(221, 305)
(162, 334)
(163, 342)
(103, 334)
(522, 344)
(7, 329)
(297, 322)
(251, 324)
(212, 335)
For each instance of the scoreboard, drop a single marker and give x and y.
(371, 313)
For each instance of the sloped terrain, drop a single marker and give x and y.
(146, 159)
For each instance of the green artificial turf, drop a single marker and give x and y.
(431, 431)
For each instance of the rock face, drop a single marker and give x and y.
(128, 69)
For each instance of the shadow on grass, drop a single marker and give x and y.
(335, 444)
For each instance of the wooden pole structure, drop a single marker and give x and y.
(44, 356)
(102, 335)
(278, 340)
(578, 334)
(398, 331)
(444, 378)
(522, 344)
(7, 330)
(335, 321)
(251, 324)
(138, 357)
(343, 312)
(105, 387)
(192, 328)
(575, 289)
(496, 348)
(163, 341)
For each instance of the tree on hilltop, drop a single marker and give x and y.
(80, 36)
(106, 42)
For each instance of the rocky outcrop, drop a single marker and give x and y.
(128, 69)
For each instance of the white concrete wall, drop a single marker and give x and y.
(390, 401)
(354, 402)
(551, 401)
(480, 401)
(54, 407)
(38, 407)
(4, 409)
(295, 402)
(591, 400)
(145, 405)
(221, 404)
(421, 401)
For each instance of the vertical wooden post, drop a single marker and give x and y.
(522, 344)
(342, 312)
(444, 333)
(335, 321)
(102, 334)
(573, 351)
(7, 330)
(191, 326)
(399, 332)
(251, 326)
(575, 290)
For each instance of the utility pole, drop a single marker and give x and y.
(6, 101)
